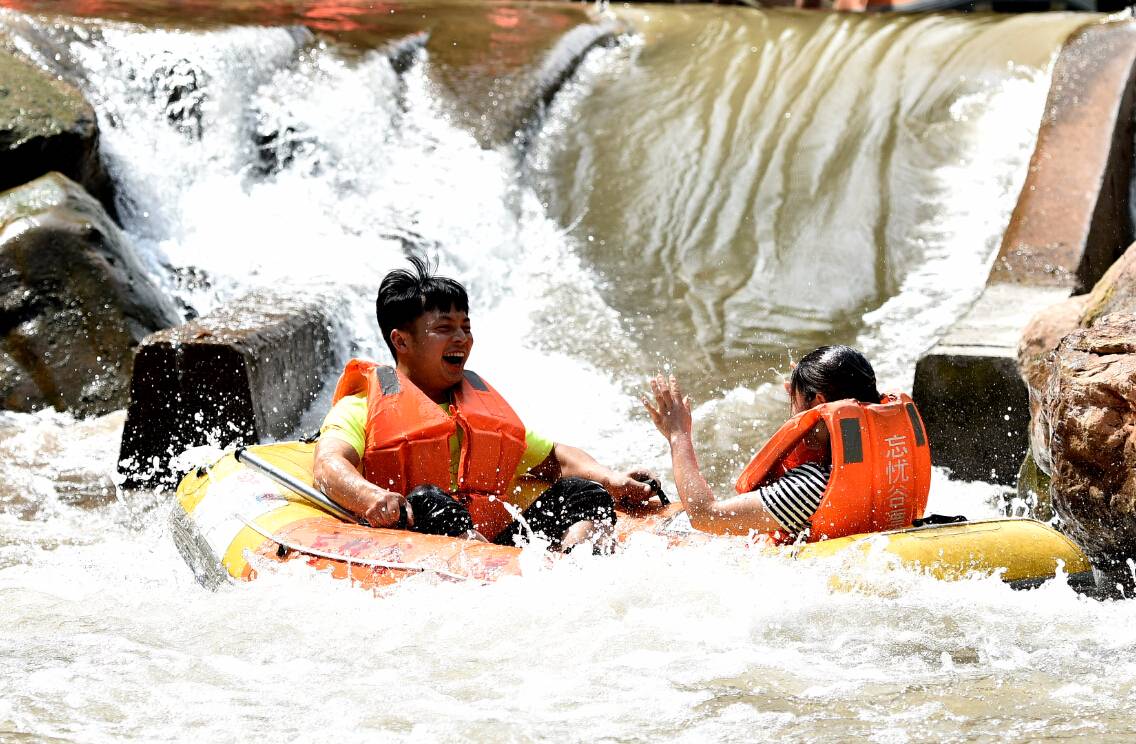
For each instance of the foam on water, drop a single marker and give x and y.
(110, 640)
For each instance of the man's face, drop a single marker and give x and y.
(435, 348)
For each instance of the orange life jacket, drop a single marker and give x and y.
(408, 439)
(881, 465)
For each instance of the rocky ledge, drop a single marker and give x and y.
(1078, 359)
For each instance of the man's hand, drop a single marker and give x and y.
(336, 472)
(631, 489)
(383, 508)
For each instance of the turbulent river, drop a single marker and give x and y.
(710, 190)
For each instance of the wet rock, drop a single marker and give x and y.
(1090, 404)
(1115, 292)
(1041, 336)
(1044, 331)
(240, 375)
(17, 387)
(530, 52)
(558, 67)
(180, 84)
(74, 301)
(46, 125)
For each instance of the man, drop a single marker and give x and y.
(430, 446)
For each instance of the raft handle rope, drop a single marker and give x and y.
(243, 456)
(656, 489)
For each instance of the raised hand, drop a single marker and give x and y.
(670, 410)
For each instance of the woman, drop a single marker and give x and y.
(805, 483)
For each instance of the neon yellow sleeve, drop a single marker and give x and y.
(537, 450)
(347, 422)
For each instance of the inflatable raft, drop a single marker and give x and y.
(231, 518)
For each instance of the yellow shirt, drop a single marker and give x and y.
(347, 422)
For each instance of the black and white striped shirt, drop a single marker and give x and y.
(793, 498)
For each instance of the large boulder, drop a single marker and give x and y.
(46, 125)
(1090, 407)
(240, 375)
(1040, 337)
(75, 301)
(1078, 359)
(1115, 292)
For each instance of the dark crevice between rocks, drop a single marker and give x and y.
(180, 83)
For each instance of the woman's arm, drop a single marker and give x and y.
(737, 515)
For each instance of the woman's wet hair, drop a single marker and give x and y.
(838, 372)
(406, 295)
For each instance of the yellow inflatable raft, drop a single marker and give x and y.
(230, 517)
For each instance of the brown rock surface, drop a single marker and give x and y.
(1072, 219)
(74, 301)
(1090, 405)
(1115, 292)
(1039, 339)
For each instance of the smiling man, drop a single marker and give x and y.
(429, 445)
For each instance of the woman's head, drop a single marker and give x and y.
(834, 373)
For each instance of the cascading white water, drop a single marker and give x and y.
(104, 635)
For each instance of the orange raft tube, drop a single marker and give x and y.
(229, 519)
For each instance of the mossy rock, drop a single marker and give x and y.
(47, 125)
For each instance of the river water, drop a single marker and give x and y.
(713, 191)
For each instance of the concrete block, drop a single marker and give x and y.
(241, 375)
(974, 402)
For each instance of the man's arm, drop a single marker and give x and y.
(571, 462)
(337, 474)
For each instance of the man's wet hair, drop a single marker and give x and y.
(839, 372)
(406, 295)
